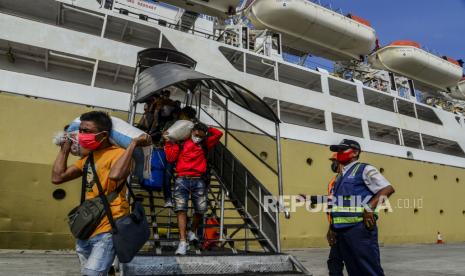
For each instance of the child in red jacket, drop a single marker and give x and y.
(191, 166)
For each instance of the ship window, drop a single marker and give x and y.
(299, 77)
(133, 33)
(406, 108)
(427, 114)
(378, 100)
(81, 20)
(343, 90)
(411, 139)
(273, 103)
(296, 114)
(383, 133)
(440, 145)
(114, 77)
(47, 12)
(236, 58)
(347, 125)
(259, 66)
(40, 11)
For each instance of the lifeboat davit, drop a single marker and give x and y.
(406, 58)
(459, 91)
(219, 8)
(311, 28)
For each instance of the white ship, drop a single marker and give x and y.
(59, 58)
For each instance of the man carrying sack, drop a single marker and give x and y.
(104, 172)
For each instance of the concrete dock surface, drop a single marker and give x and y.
(421, 259)
(426, 260)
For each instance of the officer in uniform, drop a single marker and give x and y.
(335, 261)
(356, 194)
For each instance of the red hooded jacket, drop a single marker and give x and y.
(191, 161)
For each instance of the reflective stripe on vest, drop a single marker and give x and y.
(347, 220)
(348, 209)
(349, 193)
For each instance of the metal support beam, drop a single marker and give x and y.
(132, 105)
(104, 26)
(58, 21)
(115, 78)
(124, 30)
(280, 186)
(46, 60)
(94, 73)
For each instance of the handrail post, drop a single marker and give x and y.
(132, 105)
(246, 244)
(226, 125)
(222, 215)
(280, 186)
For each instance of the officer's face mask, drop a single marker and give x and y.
(344, 157)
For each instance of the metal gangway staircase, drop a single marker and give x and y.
(248, 236)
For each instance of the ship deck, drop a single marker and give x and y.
(429, 260)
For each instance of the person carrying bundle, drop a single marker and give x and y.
(105, 167)
(191, 167)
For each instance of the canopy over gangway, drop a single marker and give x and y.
(161, 76)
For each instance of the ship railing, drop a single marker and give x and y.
(121, 9)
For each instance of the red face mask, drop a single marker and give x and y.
(89, 141)
(344, 157)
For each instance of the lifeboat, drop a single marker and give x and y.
(311, 28)
(406, 58)
(219, 8)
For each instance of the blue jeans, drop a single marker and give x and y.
(96, 254)
(183, 187)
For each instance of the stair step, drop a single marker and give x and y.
(235, 225)
(211, 264)
(190, 208)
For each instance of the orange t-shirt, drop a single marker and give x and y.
(104, 160)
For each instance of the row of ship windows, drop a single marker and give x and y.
(315, 118)
(269, 69)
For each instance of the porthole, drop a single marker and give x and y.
(463, 212)
(309, 161)
(386, 210)
(435, 177)
(415, 211)
(381, 170)
(59, 194)
(410, 174)
(409, 155)
(441, 211)
(457, 180)
(263, 155)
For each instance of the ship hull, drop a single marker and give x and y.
(31, 218)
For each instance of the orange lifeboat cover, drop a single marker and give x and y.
(359, 19)
(451, 60)
(406, 43)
